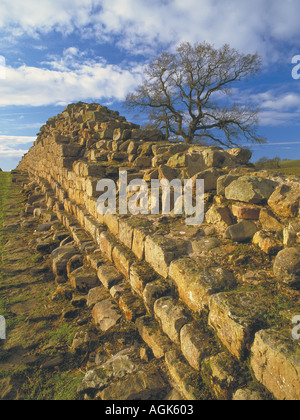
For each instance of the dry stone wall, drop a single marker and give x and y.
(215, 301)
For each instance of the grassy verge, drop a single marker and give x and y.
(5, 181)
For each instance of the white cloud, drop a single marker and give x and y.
(11, 146)
(248, 25)
(15, 140)
(69, 79)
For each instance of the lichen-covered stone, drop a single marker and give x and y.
(276, 363)
(161, 251)
(223, 375)
(196, 285)
(236, 317)
(172, 316)
(285, 200)
(250, 189)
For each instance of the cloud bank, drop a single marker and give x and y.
(248, 25)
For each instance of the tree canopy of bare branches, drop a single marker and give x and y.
(188, 95)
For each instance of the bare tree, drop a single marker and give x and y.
(187, 95)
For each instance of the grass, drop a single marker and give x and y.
(5, 181)
(290, 167)
(287, 167)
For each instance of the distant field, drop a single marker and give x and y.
(289, 167)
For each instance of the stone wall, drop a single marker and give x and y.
(215, 301)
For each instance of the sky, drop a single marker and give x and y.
(56, 52)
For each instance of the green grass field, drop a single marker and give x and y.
(288, 167)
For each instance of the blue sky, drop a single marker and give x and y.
(61, 51)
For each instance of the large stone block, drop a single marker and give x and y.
(60, 258)
(285, 200)
(220, 216)
(196, 284)
(109, 276)
(195, 345)
(183, 375)
(250, 189)
(153, 291)
(172, 316)
(236, 317)
(276, 363)
(140, 275)
(83, 279)
(161, 251)
(106, 314)
(107, 243)
(241, 156)
(123, 259)
(140, 386)
(222, 373)
(192, 163)
(151, 333)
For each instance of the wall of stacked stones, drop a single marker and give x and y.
(190, 303)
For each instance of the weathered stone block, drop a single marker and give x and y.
(241, 232)
(196, 285)
(122, 259)
(107, 243)
(183, 375)
(195, 345)
(219, 216)
(60, 258)
(109, 276)
(153, 291)
(141, 386)
(285, 200)
(151, 333)
(250, 189)
(222, 374)
(83, 280)
(161, 251)
(241, 156)
(172, 316)
(287, 266)
(223, 182)
(267, 242)
(236, 317)
(246, 212)
(106, 314)
(96, 295)
(276, 363)
(140, 276)
(131, 306)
